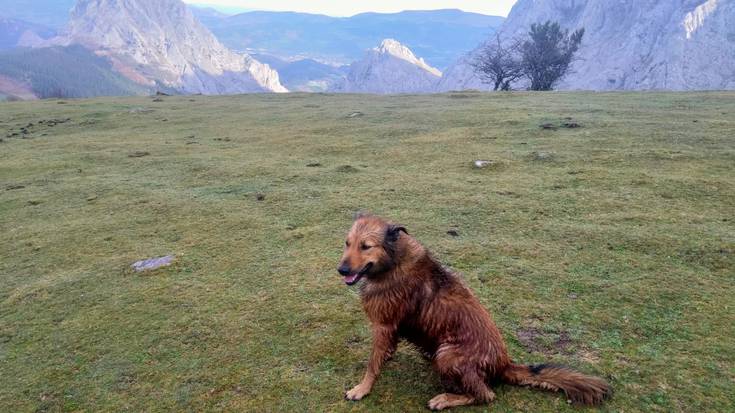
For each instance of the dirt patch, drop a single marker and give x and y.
(26, 130)
(346, 169)
(138, 154)
(535, 340)
(567, 123)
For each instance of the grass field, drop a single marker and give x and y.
(609, 247)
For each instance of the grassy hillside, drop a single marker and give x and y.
(66, 72)
(608, 247)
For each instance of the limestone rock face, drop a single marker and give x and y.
(390, 68)
(632, 44)
(161, 42)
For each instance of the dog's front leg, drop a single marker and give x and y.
(385, 340)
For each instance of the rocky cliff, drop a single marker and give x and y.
(161, 42)
(632, 44)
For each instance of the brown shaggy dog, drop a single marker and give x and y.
(408, 295)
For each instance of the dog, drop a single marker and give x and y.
(407, 294)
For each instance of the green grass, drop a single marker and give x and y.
(615, 254)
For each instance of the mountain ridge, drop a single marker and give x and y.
(389, 68)
(439, 36)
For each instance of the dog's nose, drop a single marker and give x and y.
(344, 269)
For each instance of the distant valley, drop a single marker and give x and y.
(439, 36)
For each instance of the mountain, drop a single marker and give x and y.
(62, 72)
(390, 68)
(53, 14)
(633, 45)
(160, 42)
(440, 36)
(14, 33)
(305, 75)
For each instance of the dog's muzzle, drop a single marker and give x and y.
(352, 278)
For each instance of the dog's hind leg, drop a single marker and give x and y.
(465, 377)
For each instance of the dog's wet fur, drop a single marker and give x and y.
(407, 294)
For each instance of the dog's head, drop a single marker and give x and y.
(370, 249)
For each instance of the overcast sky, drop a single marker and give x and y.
(351, 7)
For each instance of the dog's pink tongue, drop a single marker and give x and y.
(350, 278)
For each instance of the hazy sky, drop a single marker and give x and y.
(351, 7)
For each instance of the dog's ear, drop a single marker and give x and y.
(393, 232)
(361, 214)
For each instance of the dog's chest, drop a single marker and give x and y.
(387, 305)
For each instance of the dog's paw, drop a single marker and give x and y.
(439, 402)
(447, 400)
(357, 392)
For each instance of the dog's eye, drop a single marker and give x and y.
(365, 247)
(347, 243)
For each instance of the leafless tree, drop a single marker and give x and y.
(498, 64)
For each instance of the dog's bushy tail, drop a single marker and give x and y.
(579, 388)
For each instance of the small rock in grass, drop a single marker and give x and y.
(13, 187)
(453, 232)
(260, 197)
(542, 156)
(355, 115)
(153, 263)
(137, 110)
(313, 165)
(483, 163)
(571, 125)
(548, 126)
